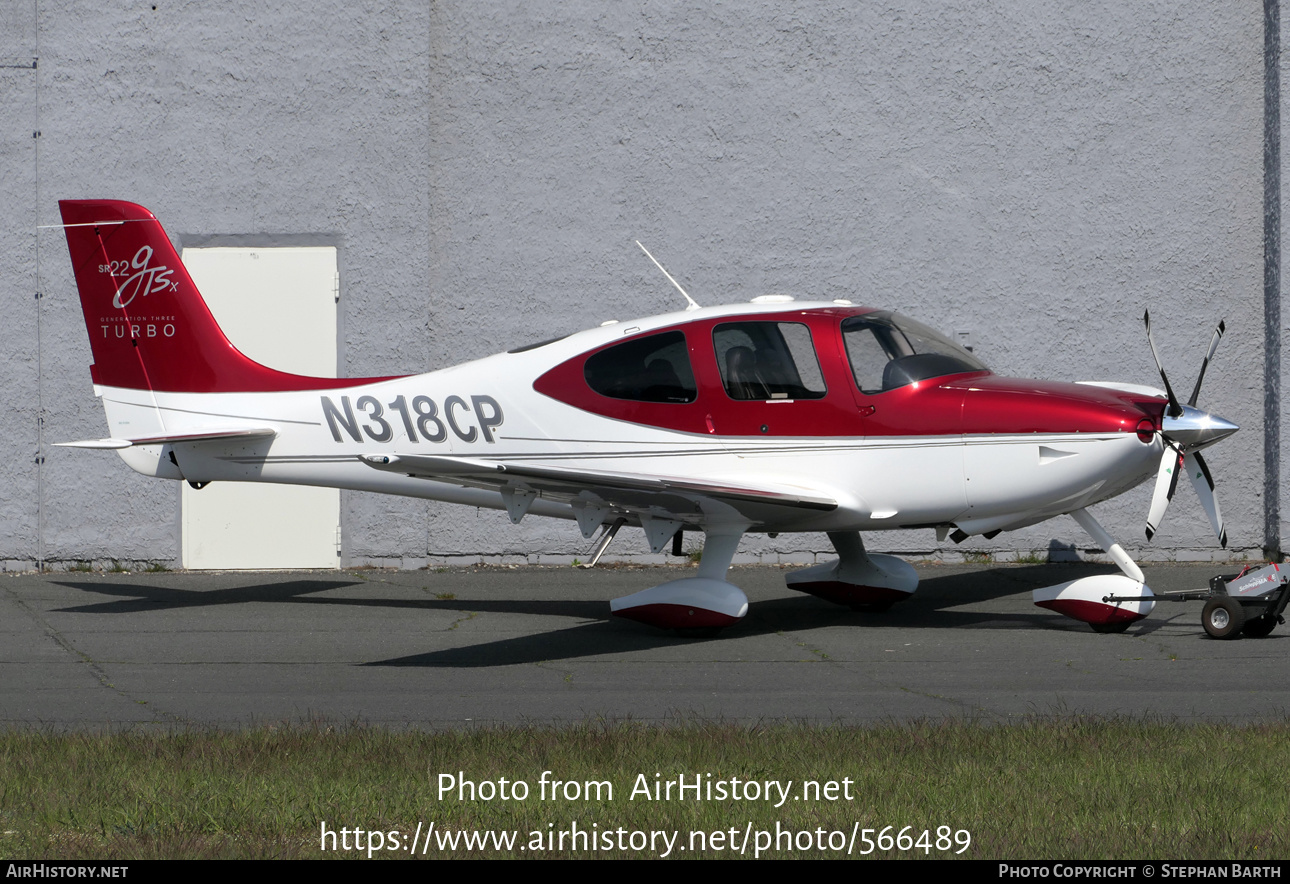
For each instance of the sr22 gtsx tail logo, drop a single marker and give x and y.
(144, 281)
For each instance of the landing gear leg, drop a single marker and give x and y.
(1113, 549)
(694, 606)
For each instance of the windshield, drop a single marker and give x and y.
(888, 350)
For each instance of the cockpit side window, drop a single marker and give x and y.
(767, 360)
(888, 350)
(655, 368)
(868, 354)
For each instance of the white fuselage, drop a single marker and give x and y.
(489, 409)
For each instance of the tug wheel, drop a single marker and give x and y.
(1223, 617)
(1261, 626)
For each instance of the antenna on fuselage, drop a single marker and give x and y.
(693, 304)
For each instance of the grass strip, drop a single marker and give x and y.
(1059, 789)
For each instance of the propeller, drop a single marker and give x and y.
(1185, 430)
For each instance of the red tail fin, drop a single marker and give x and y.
(149, 327)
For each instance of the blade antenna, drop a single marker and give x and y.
(693, 305)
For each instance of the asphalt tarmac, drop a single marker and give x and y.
(452, 647)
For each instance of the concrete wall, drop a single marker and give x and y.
(1034, 173)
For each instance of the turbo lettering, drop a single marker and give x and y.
(140, 327)
(422, 422)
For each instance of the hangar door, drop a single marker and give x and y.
(278, 306)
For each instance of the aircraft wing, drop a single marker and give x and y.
(678, 498)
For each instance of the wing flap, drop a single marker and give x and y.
(568, 480)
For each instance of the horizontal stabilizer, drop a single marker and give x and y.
(174, 438)
(96, 443)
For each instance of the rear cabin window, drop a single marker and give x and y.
(767, 360)
(655, 368)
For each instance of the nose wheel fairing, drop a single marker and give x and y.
(1090, 599)
(1085, 600)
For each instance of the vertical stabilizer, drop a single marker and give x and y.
(149, 327)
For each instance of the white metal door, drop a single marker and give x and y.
(278, 306)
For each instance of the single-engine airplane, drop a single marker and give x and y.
(766, 417)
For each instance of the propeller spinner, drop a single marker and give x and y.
(1186, 430)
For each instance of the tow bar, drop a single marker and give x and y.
(1250, 603)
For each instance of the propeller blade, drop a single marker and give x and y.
(1213, 345)
(1174, 408)
(1203, 482)
(1166, 483)
(1185, 431)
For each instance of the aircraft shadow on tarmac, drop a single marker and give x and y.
(134, 598)
(138, 598)
(930, 608)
